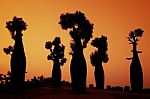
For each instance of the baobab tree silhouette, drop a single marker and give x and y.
(57, 56)
(80, 31)
(136, 73)
(18, 58)
(97, 58)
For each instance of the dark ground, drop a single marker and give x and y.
(65, 93)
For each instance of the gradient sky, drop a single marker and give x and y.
(113, 18)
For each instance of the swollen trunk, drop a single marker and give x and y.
(18, 65)
(78, 71)
(99, 76)
(56, 74)
(136, 74)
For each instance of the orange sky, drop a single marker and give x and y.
(113, 18)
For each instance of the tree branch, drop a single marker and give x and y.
(129, 58)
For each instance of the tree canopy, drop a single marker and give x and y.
(99, 55)
(56, 50)
(16, 25)
(80, 26)
(133, 37)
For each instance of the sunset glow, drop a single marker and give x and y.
(112, 18)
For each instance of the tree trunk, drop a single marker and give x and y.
(18, 65)
(78, 71)
(136, 75)
(56, 74)
(99, 76)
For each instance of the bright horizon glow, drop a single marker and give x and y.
(112, 18)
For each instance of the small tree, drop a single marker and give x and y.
(57, 56)
(18, 58)
(80, 31)
(97, 58)
(136, 73)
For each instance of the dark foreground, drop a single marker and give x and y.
(65, 93)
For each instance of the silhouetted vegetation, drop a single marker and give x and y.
(18, 58)
(80, 31)
(57, 56)
(91, 86)
(8, 50)
(108, 87)
(5, 81)
(126, 89)
(118, 88)
(39, 81)
(136, 73)
(97, 58)
(35, 82)
(65, 83)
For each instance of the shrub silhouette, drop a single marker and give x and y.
(136, 73)
(97, 58)
(57, 56)
(5, 81)
(80, 31)
(18, 58)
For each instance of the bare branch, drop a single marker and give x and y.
(129, 58)
(139, 51)
(130, 43)
(130, 40)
